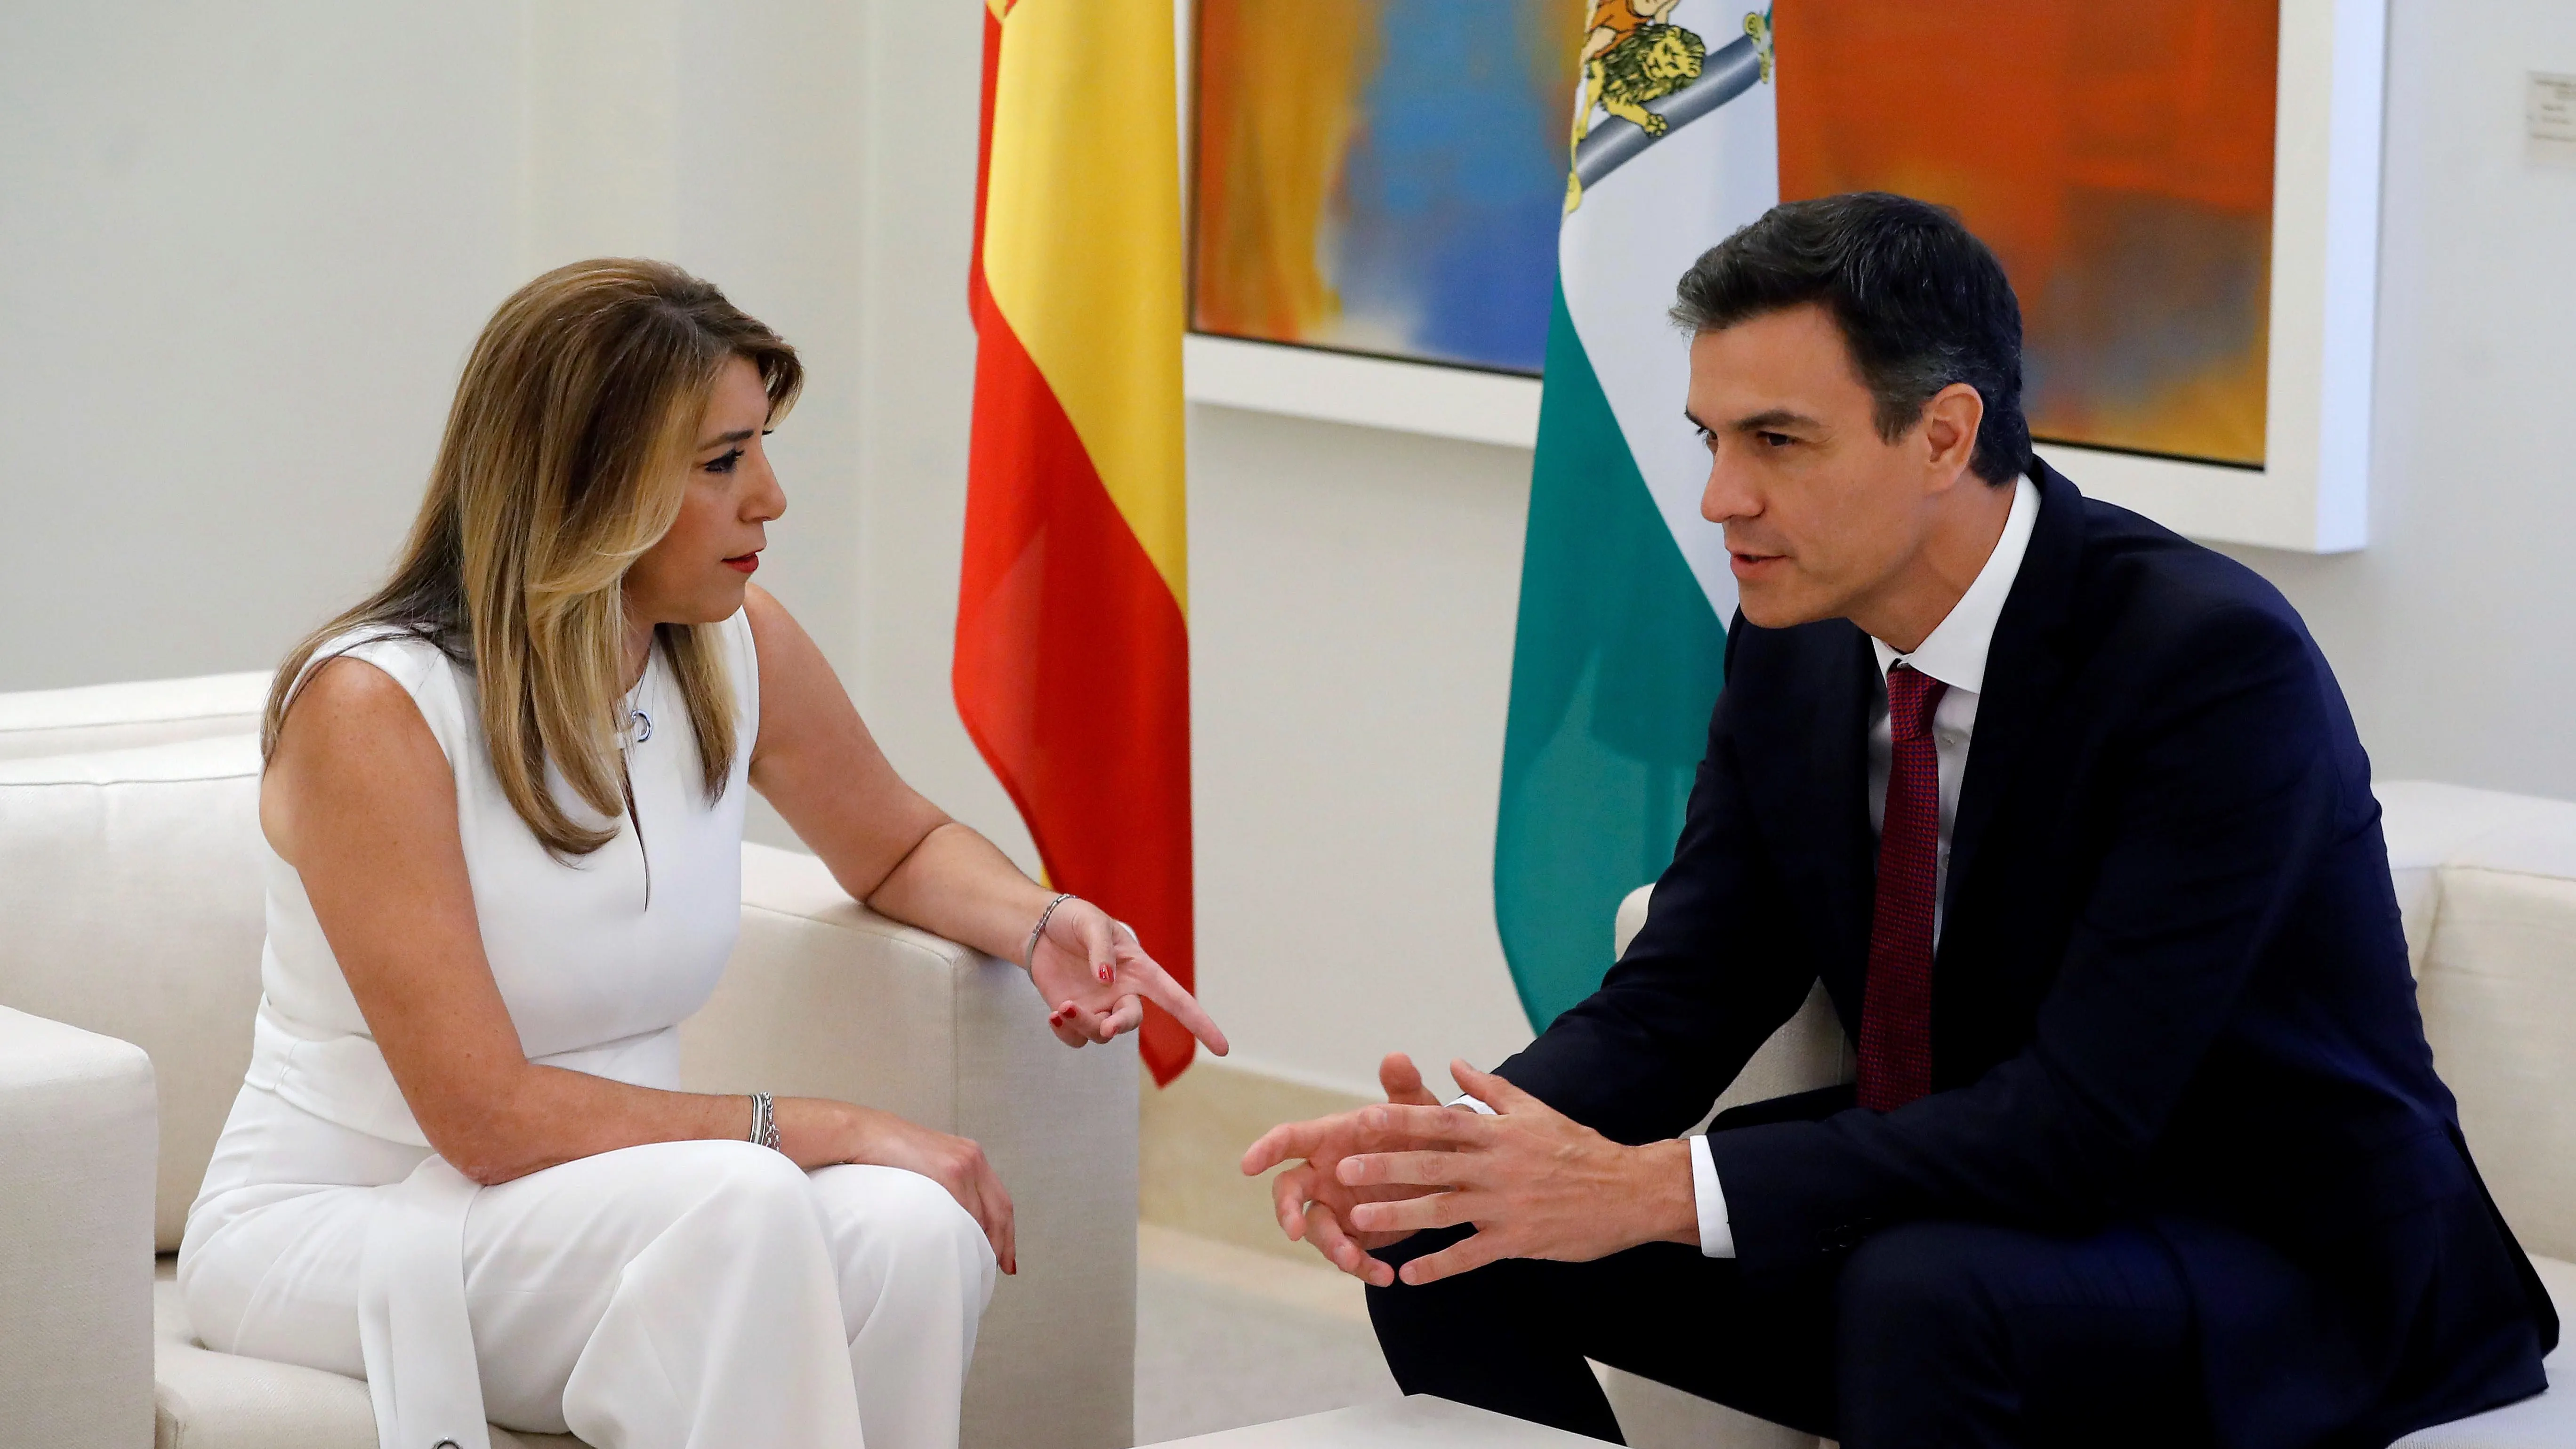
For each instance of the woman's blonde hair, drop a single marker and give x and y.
(561, 465)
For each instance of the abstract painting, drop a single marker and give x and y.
(1382, 176)
(1388, 176)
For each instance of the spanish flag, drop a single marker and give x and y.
(1072, 666)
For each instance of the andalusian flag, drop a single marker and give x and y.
(1625, 591)
(1072, 668)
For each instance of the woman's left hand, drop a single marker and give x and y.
(1096, 980)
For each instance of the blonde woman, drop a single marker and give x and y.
(504, 800)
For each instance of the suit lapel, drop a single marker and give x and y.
(2024, 667)
(1812, 793)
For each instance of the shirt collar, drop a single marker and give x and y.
(1955, 651)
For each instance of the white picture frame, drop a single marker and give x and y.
(1374, 392)
(2312, 494)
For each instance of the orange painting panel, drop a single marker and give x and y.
(1286, 83)
(2118, 158)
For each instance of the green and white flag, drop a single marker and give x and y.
(1625, 590)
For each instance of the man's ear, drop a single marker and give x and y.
(1949, 432)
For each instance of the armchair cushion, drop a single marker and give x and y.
(2429, 825)
(76, 1256)
(130, 882)
(128, 716)
(2498, 987)
(210, 1400)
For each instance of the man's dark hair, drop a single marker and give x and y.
(1920, 301)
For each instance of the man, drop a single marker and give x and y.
(2069, 817)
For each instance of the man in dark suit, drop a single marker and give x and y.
(2070, 819)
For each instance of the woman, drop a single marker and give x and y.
(504, 801)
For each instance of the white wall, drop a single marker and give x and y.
(243, 253)
(240, 262)
(729, 138)
(1351, 636)
(2447, 629)
(922, 86)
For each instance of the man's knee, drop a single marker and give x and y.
(1421, 1245)
(1917, 1346)
(1982, 1330)
(1911, 1282)
(1418, 1323)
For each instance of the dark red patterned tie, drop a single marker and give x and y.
(1896, 1004)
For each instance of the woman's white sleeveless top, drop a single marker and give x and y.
(599, 957)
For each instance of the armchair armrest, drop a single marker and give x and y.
(78, 1137)
(826, 998)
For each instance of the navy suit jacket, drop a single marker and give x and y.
(2171, 987)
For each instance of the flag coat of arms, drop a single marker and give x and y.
(1072, 663)
(1625, 589)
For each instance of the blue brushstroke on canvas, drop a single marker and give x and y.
(1452, 192)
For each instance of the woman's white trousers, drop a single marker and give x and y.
(695, 1294)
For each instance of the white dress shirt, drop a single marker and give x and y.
(1955, 654)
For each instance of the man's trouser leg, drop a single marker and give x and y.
(1959, 1334)
(1930, 1334)
(1513, 1336)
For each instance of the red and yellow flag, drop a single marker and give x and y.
(1072, 668)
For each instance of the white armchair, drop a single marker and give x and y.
(130, 928)
(2487, 884)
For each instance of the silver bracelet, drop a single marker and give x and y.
(1029, 953)
(764, 1124)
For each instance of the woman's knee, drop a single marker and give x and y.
(925, 1211)
(730, 1187)
(890, 1215)
(694, 1199)
(759, 1179)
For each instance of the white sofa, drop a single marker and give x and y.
(130, 928)
(2487, 884)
